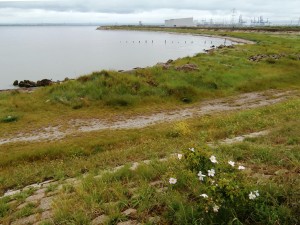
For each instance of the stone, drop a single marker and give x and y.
(169, 61)
(134, 166)
(44, 82)
(70, 180)
(100, 220)
(130, 213)
(129, 222)
(41, 191)
(27, 220)
(35, 198)
(46, 203)
(11, 193)
(154, 219)
(12, 203)
(47, 215)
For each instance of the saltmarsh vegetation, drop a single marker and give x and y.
(271, 162)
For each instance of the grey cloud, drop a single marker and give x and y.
(131, 6)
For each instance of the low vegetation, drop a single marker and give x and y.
(266, 191)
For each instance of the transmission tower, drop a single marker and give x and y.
(233, 16)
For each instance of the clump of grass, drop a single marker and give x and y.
(9, 119)
(26, 211)
(4, 208)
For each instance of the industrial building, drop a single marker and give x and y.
(182, 22)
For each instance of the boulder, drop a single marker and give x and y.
(44, 82)
(169, 61)
(27, 84)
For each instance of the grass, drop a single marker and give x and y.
(276, 154)
(272, 161)
(222, 73)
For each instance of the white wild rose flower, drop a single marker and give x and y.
(204, 195)
(256, 193)
(231, 163)
(216, 208)
(172, 180)
(213, 159)
(241, 168)
(179, 156)
(192, 149)
(252, 196)
(201, 176)
(211, 173)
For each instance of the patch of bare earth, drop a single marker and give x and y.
(75, 126)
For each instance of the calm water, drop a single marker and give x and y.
(34, 53)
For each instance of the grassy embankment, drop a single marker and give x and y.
(105, 94)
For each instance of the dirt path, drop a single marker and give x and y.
(75, 126)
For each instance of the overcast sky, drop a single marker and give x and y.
(147, 11)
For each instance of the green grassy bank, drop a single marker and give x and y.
(223, 72)
(272, 161)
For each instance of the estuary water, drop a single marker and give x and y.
(56, 52)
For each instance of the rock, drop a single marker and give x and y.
(27, 220)
(16, 83)
(166, 66)
(169, 61)
(47, 215)
(187, 68)
(100, 220)
(129, 222)
(11, 193)
(132, 213)
(27, 84)
(154, 219)
(44, 82)
(35, 198)
(40, 191)
(46, 203)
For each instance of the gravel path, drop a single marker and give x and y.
(75, 126)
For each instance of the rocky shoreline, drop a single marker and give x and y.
(29, 86)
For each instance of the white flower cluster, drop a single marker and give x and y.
(211, 173)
